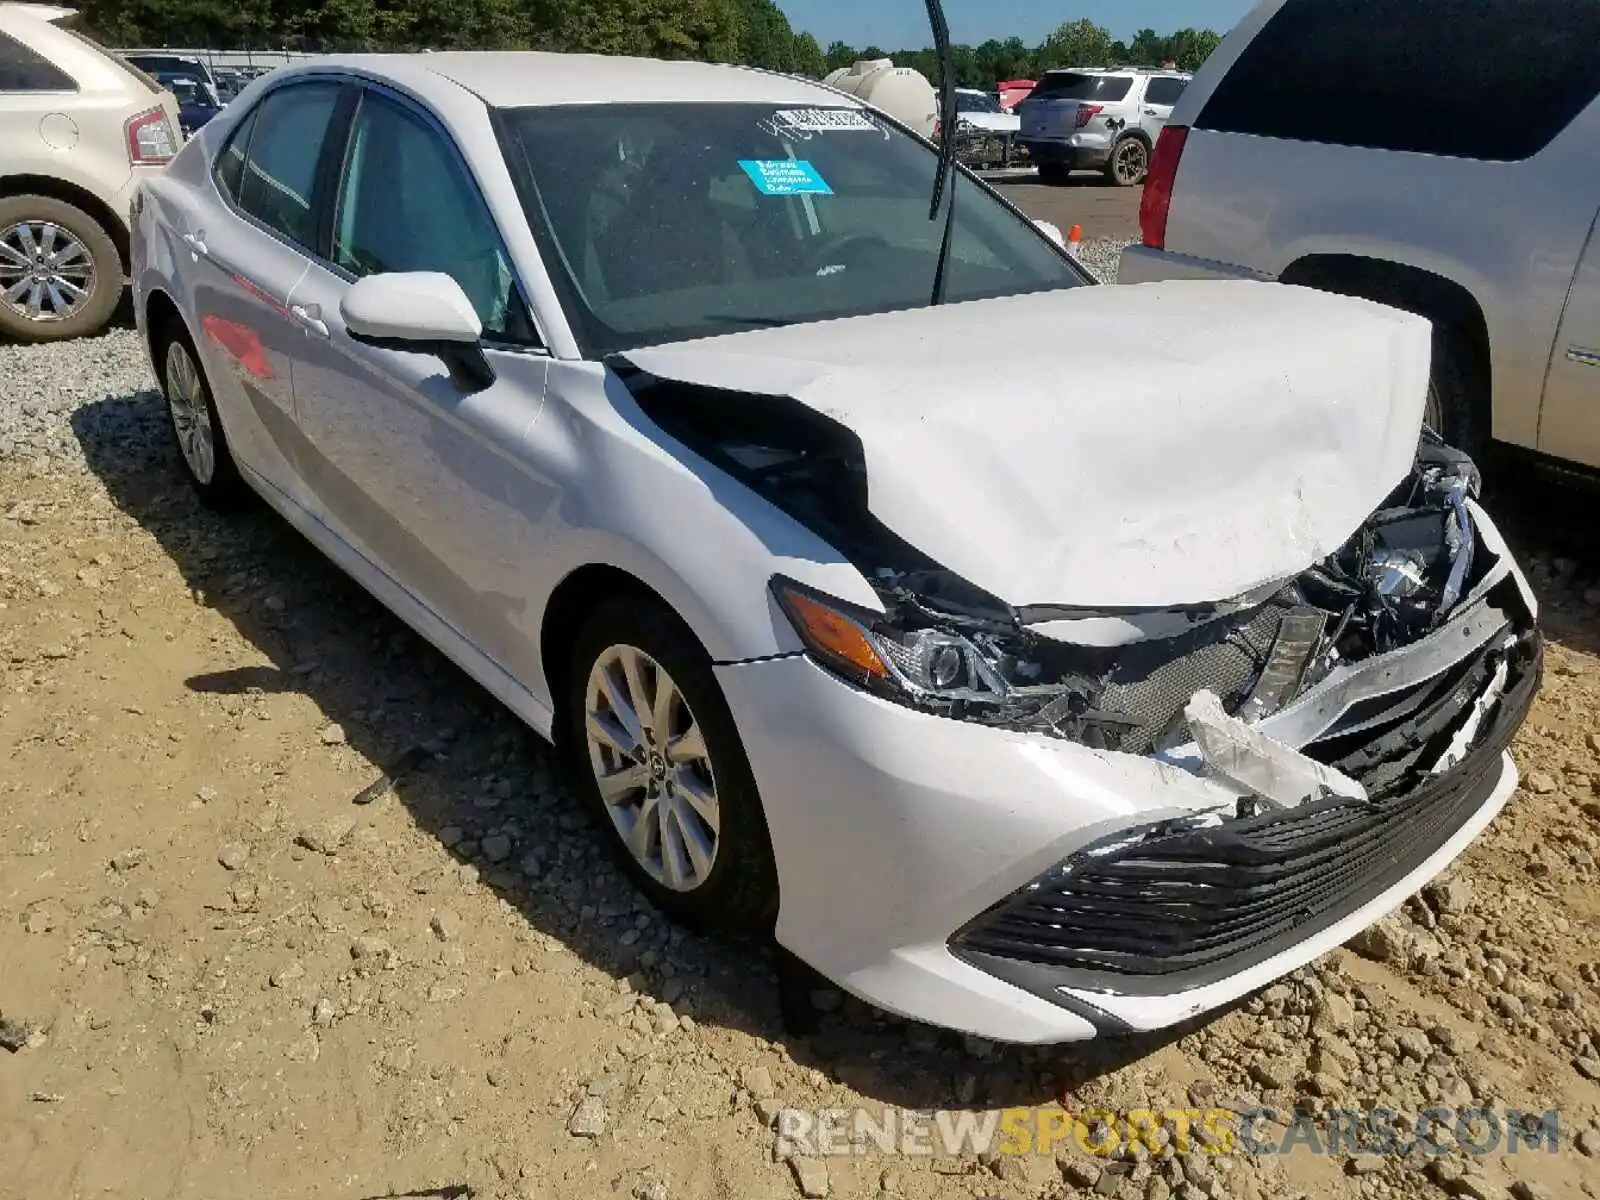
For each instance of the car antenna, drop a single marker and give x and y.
(947, 147)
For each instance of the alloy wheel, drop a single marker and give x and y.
(191, 414)
(654, 772)
(1130, 161)
(46, 272)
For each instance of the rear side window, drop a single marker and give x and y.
(22, 70)
(280, 165)
(1496, 80)
(1165, 90)
(230, 163)
(1070, 85)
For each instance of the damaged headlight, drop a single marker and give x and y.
(868, 650)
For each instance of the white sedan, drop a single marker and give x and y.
(1078, 691)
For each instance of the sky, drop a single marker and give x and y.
(895, 24)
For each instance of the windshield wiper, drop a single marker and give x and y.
(732, 319)
(947, 146)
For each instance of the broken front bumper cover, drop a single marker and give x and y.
(1180, 905)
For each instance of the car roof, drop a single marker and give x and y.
(42, 12)
(1120, 71)
(527, 78)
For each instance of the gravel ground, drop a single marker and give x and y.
(226, 979)
(1101, 256)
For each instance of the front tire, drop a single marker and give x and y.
(60, 273)
(197, 432)
(1130, 162)
(1457, 393)
(658, 759)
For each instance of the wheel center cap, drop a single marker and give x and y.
(657, 766)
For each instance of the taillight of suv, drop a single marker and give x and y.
(1157, 201)
(150, 138)
(1088, 112)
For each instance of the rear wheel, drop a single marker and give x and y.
(1130, 162)
(60, 273)
(659, 760)
(196, 429)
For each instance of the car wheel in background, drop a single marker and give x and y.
(196, 430)
(60, 273)
(1130, 162)
(658, 758)
(1457, 404)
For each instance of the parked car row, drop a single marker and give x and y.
(1069, 692)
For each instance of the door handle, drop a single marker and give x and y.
(310, 315)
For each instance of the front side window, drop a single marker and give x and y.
(977, 102)
(280, 169)
(23, 70)
(1495, 80)
(663, 222)
(437, 221)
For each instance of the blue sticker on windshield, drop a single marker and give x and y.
(785, 177)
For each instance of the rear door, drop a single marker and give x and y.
(1570, 420)
(242, 255)
(1160, 94)
(1068, 101)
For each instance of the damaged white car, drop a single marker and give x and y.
(1034, 704)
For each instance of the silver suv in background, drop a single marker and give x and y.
(79, 130)
(1439, 156)
(1098, 120)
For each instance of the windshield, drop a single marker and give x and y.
(663, 222)
(977, 102)
(1070, 85)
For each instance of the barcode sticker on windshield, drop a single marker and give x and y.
(785, 177)
(823, 120)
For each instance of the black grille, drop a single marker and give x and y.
(1181, 906)
(1226, 657)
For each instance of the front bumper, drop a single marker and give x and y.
(899, 834)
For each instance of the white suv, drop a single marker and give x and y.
(1098, 120)
(1439, 156)
(79, 130)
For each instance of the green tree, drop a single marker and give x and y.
(1077, 44)
(840, 55)
(767, 40)
(808, 57)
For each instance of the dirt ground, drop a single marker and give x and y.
(229, 979)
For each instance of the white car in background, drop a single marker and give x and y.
(1038, 704)
(1098, 119)
(79, 130)
(982, 112)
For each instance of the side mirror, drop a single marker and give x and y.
(422, 311)
(1053, 232)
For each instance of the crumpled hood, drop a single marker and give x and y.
(1108, 447)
